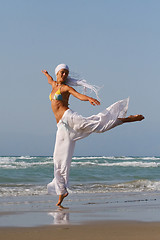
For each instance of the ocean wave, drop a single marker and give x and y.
(15, 190)
(23, 165)
(118, 164)
(26, 157)
(91, 157)
(10, 158)
(132, 186)
(7, 159)
(140, 185)
(7, 190)
(121, 158)
(23, 162)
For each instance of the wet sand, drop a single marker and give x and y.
(112, 230)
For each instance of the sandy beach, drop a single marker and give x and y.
(112, 230)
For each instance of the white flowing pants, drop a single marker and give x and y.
(73, 127)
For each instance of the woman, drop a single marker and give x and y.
(72, 126)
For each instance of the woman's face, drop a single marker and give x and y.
(62, 75)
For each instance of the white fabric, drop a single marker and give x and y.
(73, 127)
(63, 152)
(61, 66)
(82, 83)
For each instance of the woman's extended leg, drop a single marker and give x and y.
(132, 118)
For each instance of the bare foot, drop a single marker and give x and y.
(132, 118)
(61, 207)
(61, 197)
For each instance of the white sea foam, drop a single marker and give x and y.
(22, 190)
(22, 165)
(27, 162)
(133, 186)
(140, 185)
(123, 158)
(26, 157)
(118, 164)
(23, 162)
(7, 159)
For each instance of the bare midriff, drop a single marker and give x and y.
(58, 108)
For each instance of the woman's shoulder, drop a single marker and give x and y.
(53, 84)
(66, 87)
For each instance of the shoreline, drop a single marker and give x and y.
(90, 216)
(37, 211)
(115, 230)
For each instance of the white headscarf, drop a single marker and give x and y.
(77, 82)
(61, 66)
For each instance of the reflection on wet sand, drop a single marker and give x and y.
(60, 217)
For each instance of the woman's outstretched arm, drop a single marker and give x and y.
(83, 97)
(50, 79)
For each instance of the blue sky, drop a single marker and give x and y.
(111, 43)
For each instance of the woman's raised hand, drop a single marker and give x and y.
(93, 101)
(45, 72)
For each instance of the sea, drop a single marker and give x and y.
(101, 187)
